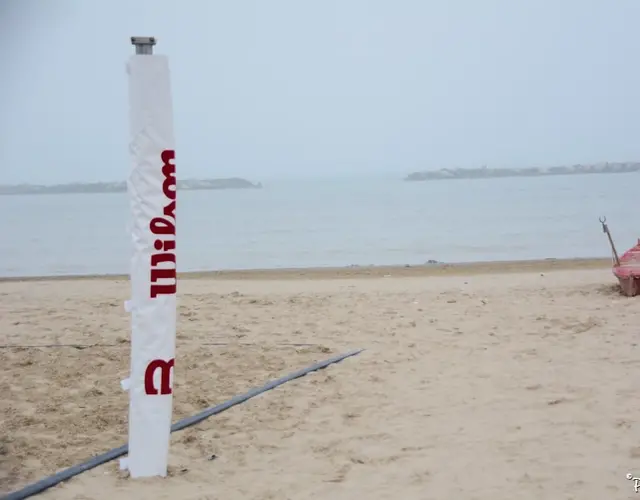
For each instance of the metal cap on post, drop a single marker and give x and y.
(144, 44)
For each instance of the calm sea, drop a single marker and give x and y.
(332, 223)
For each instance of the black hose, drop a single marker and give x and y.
(48, 482)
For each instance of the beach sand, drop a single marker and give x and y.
(478, 382)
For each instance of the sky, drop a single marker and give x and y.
(291, 88)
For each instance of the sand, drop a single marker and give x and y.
(477, 382)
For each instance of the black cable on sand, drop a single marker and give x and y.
(80, 347)
(48, 482)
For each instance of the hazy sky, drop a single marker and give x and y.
(292, 87)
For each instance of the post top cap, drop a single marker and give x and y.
(143, 40)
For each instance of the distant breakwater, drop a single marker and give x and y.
(120, 187)
(493, 173)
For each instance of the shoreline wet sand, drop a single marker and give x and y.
(358, 271)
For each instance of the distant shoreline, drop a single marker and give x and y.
(351, 272)
(496, 173)
(121, 187)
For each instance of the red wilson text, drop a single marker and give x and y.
(165, 368)
(163, 278)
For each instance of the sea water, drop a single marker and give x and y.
(332, 222)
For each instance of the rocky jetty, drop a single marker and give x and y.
(120, 187)
(492, 173)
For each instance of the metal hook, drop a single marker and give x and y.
(603, 219)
